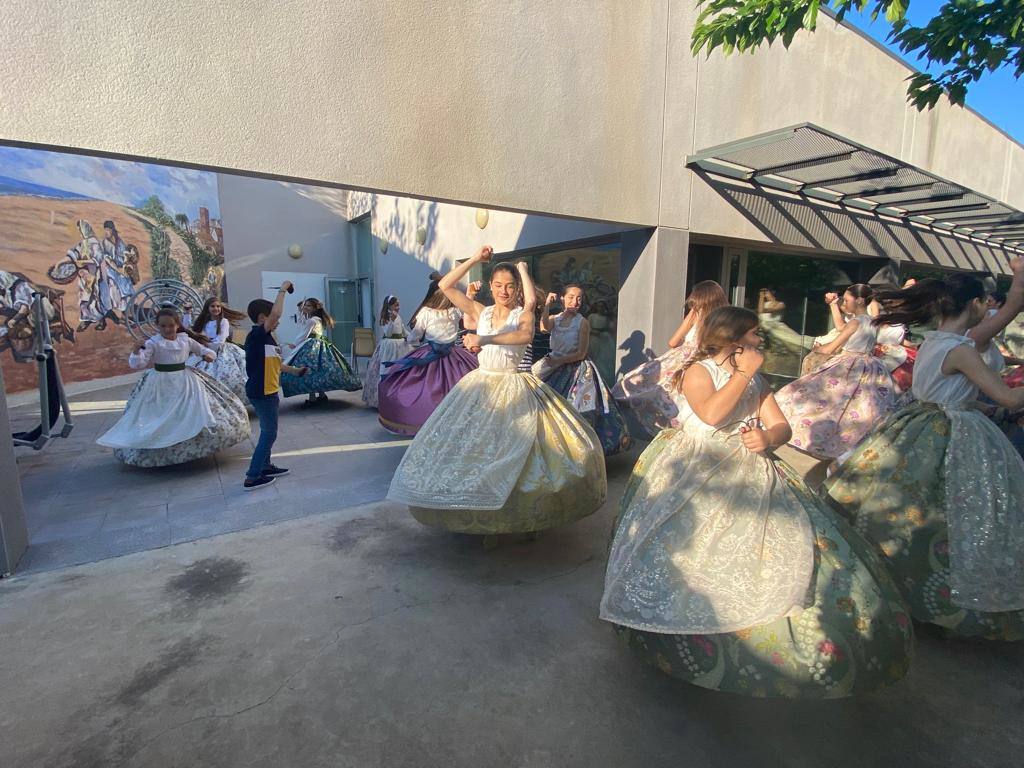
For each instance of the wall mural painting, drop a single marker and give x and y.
(85, 232)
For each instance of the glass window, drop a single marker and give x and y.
(596, 268)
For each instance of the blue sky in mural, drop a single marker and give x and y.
(997, 96)
(119, 181)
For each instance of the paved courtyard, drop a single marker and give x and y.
(349, 635)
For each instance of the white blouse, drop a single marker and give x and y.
(438, 325)
(160, 351)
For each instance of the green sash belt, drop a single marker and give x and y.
(168, 367)
(395, 336)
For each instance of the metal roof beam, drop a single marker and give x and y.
(892, 189)
(918, 200)
(936, 212)
(984, 217)
(809, 162)
(878, 173)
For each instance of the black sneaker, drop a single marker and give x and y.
(251, 484)
(273, 471)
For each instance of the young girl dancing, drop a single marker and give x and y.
(175, 413)
(646, 389)
(725, 570)
(502, 453)
(327, 368)
(214, 322)
(570, 372)
(937, 486)
(391, 347)
(412, 387)
(834, 406)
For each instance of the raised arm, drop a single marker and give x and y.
(450, 282)
(713, 406)
(529, 291)
(837, 314)
(275, 314)
(689, 319)
(545, 313)
(523, 334)
(837, 343)
(992, 326)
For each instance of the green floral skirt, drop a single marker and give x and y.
(892, 489)
(854, 636)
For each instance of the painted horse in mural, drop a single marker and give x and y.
(17, 323)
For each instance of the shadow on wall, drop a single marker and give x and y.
(793, 222)
(403, 270)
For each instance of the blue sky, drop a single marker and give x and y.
(997, 96)
(181, 190)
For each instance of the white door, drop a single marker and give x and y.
(307, 286)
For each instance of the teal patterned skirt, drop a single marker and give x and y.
(853, 636)
(328, 370)
(892, 489)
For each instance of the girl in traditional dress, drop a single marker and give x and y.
(503, 453)
(569, 371)
(833, 407)
(327, 368)
(392, 346)
(937, 486)
(214, 322)
(725, 570)
(175, 413)
(646, 390)
(412, 387)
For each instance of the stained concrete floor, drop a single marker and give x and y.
(83, 505)
(353, 636)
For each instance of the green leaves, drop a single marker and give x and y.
(967, 38)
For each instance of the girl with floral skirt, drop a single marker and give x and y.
(937, 486)
(393, 346)
(570, 372)
(326, 368)
(215, 322)
(832, 408)
(725, 570)
(175, 413)
(646, 390)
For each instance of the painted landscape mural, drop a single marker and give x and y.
(85, 232)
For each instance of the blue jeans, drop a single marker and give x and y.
(266, 411)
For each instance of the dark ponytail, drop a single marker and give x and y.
(929, 300)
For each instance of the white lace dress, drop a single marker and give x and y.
(175, 413)
(502, 453)
(229, 367)
(393, 346)
(726, 571)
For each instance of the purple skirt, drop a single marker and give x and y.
(407, 397)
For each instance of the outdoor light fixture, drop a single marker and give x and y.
(295, 251)
(482, 217)
(421, 236)
(382, 244)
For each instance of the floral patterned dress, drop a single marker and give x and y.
(229, 367)
(727, 572)
(392, 347)
(646, 390)
(833, 407)
(580, 383)
(328, 369)
(941, 491)
(175, 413)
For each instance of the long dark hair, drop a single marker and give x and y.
(385, 307)
(722, 328)
(172, 312)
(318, 310)
(435, 299)
(233, 316)
(929, 299)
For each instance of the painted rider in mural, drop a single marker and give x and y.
(17, 323)
(86, 258)
(115, 286)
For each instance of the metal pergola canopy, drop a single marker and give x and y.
(824, 167)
